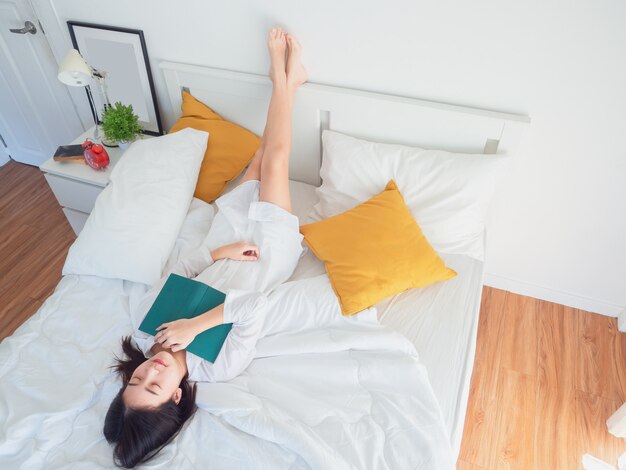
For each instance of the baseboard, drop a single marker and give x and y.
(621, 325)
(559, 297)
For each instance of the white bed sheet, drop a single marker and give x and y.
(55, 389)
(441, 320)
(349, 397)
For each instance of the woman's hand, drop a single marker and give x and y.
(239, 251)
(178, 334)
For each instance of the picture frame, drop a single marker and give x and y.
(122, 54)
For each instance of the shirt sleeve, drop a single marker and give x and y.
(192, 265)
(246, 311)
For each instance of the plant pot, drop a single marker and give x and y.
(124, 144)
(108, 142)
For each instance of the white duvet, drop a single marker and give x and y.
(324, 392)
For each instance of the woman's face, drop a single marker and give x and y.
(154, 382)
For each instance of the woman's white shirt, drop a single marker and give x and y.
(245, 310)
(276, 232)
(240, 216)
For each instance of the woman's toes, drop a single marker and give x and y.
(277, 46)
(294, 45)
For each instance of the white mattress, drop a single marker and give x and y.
(51, 423)
(440, 320)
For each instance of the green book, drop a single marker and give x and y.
(181, 297)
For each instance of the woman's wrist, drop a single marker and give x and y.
(197, 323)
(216, 254)
(209, 319)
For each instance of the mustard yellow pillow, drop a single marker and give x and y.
(229, 150)
(374, 251)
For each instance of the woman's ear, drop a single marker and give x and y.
(178, 394)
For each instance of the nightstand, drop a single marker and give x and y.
(76, 185)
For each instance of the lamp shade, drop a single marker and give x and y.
(74, 71)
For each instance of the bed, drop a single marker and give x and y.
(270, 417)
(441, 320)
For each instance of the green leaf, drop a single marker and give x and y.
(120, 124)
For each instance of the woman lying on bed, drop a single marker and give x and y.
(157, 397)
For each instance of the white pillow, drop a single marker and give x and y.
(137, 217)
(192, 233)
(447, 193)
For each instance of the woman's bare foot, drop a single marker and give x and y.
(296, 73)
(277, 45)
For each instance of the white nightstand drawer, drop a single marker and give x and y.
(74, 194)
(76, 219)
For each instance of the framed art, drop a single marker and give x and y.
(121, 55)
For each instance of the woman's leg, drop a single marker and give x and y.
(253, 172)
(277, 42)
(274, 160)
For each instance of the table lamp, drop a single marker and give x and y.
(74, 71)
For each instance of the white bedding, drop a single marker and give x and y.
(351, 395)
(441, 320)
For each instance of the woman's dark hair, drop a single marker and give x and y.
(139, 434)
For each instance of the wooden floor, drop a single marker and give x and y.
(546, 377)
(34, 239)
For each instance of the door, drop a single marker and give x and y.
(36, 112)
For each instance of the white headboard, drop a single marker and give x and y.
(243, 98)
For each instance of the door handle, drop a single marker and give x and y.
(29, 27)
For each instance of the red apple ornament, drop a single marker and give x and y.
(95, 155)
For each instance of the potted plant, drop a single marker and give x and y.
(120, 125)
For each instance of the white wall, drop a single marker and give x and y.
(4, 156)
(559, 221)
